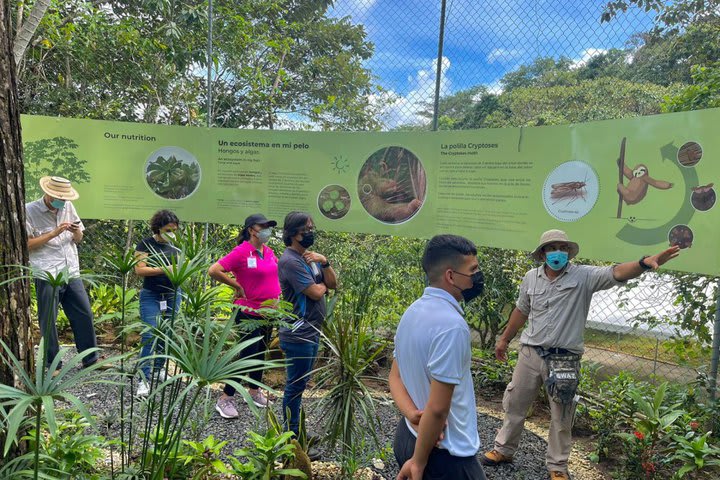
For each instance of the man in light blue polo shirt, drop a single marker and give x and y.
(430, 378)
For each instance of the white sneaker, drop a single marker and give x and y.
(143, 389)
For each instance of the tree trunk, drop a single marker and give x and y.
(28, 29)
(15, 296)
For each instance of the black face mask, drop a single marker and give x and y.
(308, 239)
(478, 286)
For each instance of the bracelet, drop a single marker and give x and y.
(326, 264)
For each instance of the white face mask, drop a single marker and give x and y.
(264, 234)
(168, 236)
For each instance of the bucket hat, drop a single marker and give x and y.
(552, 236)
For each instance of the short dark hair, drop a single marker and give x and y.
(162, 218)
(445, 251)
(294, 222)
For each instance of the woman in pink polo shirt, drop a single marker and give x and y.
(254, 270)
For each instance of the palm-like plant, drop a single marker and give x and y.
(347, 408)
(200, 351)
(38, 394)
(123, 263)
(202, 357)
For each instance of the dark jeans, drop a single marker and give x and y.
(150, 313)
(441, 465)
(256, 350)
(300, 359)
(76, 305)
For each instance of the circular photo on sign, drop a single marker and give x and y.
(334, 201)
(570, 191)
(681, 235)
(690, 154)
(172, 173)
(392, 185)
(703, 197)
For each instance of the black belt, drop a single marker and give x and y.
(543, 352)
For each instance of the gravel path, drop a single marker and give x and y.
(529, 464)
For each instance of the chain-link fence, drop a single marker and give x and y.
(368, 64)
(634, 328)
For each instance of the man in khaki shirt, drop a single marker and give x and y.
(554, 301)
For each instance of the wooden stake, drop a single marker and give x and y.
(621, 166)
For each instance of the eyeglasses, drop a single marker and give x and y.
(307, 230)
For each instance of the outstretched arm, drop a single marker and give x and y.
(661, 184)
(628, 270)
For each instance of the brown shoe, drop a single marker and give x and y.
(557, 475)
(493, 458)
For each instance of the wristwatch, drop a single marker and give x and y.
(326, 264)
(644, 265)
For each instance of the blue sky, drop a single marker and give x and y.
(483, 41)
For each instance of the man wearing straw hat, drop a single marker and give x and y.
(54, 230)
(554, 301)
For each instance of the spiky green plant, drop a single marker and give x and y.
(204, 354)
(38, 394)
(351, 347)
(123, 263)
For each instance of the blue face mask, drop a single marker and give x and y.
(58, 204)
(556, 260)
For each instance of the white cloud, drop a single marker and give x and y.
(404, 110)
(586, 55)
(503, 55)
(495, 88)
(357, 9)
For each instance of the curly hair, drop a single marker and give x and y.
(162, 218)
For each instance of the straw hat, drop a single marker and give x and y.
(58, 187)
(552, 236)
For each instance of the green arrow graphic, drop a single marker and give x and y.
(653, 236)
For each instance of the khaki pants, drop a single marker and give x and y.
(529, 375)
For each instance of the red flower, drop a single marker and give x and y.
(639, 435)
(648, 467)
(694, 425)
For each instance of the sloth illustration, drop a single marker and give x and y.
(638, 186)
(386, 199)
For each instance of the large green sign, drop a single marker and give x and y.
(620, 188)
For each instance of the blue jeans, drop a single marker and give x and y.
(150, 313)
(300, 358)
